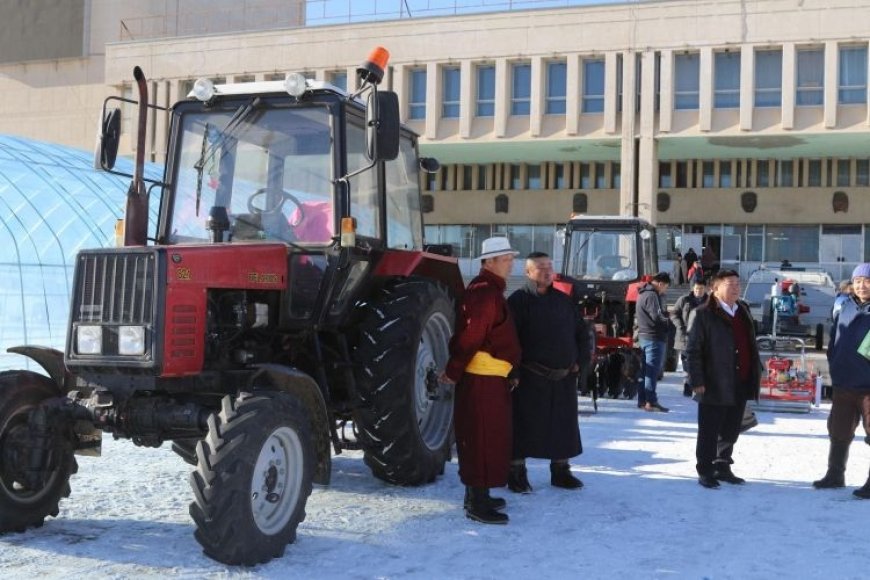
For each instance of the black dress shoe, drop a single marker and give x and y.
(655, 408)
(561, 476)
(708, 481)
(518, 479)
(725, 474)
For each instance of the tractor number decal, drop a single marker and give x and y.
(258, 278)
(182, 273)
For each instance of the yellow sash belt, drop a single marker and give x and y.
(483, 363)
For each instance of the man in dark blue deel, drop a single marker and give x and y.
(849, 363)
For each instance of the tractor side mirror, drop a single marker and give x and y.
(382, 126)
(108, 141)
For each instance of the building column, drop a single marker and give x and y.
(572, 98)
(666, 90)
(647, 176)
(433, 100)
(502, 96)
(747, 86)
(831, 64)
(536, 105)
(610, 91)
(399, 85)
(628, 146)
(789, 81)
(705, 89)
(466, 98)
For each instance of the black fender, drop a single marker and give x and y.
(302, 386)
(49, 359)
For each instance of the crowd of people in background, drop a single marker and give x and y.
(516, 361)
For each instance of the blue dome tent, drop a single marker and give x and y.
(52, 204)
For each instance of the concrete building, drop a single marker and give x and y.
(741, 126)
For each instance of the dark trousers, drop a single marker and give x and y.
(847, 410)
(718, 429)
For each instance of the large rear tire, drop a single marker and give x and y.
(405, 421)
(253, 478)
(24, 505)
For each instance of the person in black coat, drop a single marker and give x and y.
(680, 318)
(653, 328)
(556, 346)
(724, 373)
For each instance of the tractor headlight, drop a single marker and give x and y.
(295, 84)
(89, 339)
(131, 340)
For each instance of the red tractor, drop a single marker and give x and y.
(283, 300)
(605, 260)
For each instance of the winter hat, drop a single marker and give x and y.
(493, 247)
(861, 271)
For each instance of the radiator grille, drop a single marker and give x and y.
(115, 289)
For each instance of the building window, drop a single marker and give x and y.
(814, 174)
(485, 91)
(600, 176)
(427, 203)
(616, 175)
(593, 86)
(810, 81)
(795, 243)
(763, 179)
(433, 180)
(853, 75)
(450, 92)
(338, 79)
(725, 173)
(559, 176)
(244, 78)
(682, 180)
(686, 81)
(516, 176)
(862, 172)
(619, 74)
(521, 89)
(481, 177)
(726, 80)
(665, 179)
(468, 177)
(556, 88)
(580, 203)
(785, 173)
(501, 203)
(533, 173)
(417, 94)
(843, 170)
(585, 178)
(708, 169)
(768, 78)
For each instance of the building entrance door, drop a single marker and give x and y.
(840, 250)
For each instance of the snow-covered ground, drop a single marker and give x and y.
(641, 514)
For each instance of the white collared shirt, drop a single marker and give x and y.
(731, 310)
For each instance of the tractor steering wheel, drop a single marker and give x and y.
(285, 197)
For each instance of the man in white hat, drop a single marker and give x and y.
(483, 351)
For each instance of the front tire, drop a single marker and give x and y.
(24, 505)
(253, 478)
(405, 421)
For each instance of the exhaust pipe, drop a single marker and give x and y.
(136, 219)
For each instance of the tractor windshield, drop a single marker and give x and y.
(602, 254)
(271, 168)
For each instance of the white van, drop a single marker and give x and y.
(817, 290)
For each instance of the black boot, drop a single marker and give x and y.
(863, 492)
(480, 509)
(495, 503)
(560, 476)
(836, 475)
(687, 390)
(518, 479)
(723, 473)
